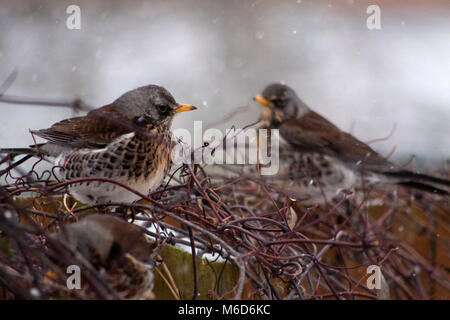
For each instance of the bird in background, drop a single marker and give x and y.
(128, 141)
(318, 159)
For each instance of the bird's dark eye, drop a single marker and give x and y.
(162, 108)
(278, 102)
(141, 121)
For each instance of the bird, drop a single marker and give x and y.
(119, 250)
(128, 141)
(317, 159)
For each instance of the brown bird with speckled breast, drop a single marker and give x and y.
(128, 141)
(319, 159)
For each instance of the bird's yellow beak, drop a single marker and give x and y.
(184, 107)
(258, 98)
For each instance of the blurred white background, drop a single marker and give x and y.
(218, 54)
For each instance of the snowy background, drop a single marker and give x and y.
(218, 54)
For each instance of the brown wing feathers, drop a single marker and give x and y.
(313, 133)
(98, 128)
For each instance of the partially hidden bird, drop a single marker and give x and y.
(317, 159)
(119, 250)
(128, 141)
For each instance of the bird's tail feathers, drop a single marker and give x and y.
(424, 187)
(419, 177)
(420, 181)
(18, 151)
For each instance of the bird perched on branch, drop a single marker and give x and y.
(318, 158)
(128, 141)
